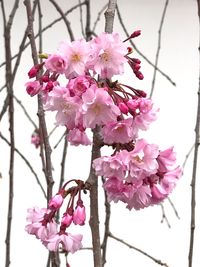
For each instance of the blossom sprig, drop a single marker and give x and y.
(136, 173)
(42, 222)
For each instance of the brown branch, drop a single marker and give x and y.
(139, 52)
(27, 163)
(109, 15)
(81, 18)
(9, 85)
(62, 173)
(98, 17)
(88, 20)
(66, 21)
(139, 250)
(158, 48)
(92, 185)
(195, 162)
(107, 227)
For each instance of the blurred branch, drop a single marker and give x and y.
(99, 16)
(139, 52)
(195, 162)
(27, 163)
(139, 250)
(81, 18)
(64, 155)
(66, 21)
(173, 207)
(158, 48)
(164, 216)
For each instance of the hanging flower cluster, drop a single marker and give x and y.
(42, 222)
(137, 173)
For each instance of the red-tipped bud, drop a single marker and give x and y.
(130, 49)
(34, 70)
(137, 67)
(45, 78)
(135, 34)
(123, 107)
(139, 75)
(49, 86)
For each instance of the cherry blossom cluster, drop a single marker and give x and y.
(42, 222)
(80, 85)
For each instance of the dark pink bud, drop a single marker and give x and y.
(123, 107)
(135, 34)
(33, 71)
(56, 202)
(45, 78)
(137, 67)
(79, 214)
(139, 75)
(136, 60)
(49, 86)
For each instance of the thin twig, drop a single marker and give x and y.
(66, 21)
(99, 16)
(187, 156)
(27, 163)
(64, 155)
(25, 111)
(164, 216)
(195, 162)
(139, 52)
(158, 48)
(43, 30)
(139, 250)
(81, 18)
(173, 207)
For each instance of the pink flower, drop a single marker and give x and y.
(79, 85)
(34, 70)
(33, 88)
(113, 166)
(118, 132)
(144, 112)
(77, 137)
(143, 157)
(77, 54)
(79, 214)
(68, 242)
(47, 231)
(57, 63)
(67, 218)
(108, 55)
(166, 159)
(98, 107)
(55, 202)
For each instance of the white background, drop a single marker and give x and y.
(175, 126)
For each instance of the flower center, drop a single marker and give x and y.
(76, 57)
(105, 56)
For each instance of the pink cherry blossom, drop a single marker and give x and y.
(112, 166)
(68, 242)
(77, 137)
(166, 159)
(143, 157)
(119, 132)
(77, 54)
(79, 85)
(79, 214)
(47, 231)
(108, 55)
(55, 202)
(67, 218)
(57, 63)
(145, 112)
(33, 87)
(98, 107)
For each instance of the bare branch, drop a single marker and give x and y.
(99, 16)
(67, 23)
(139, 250)
(27, 163)
(158, 48)
(195, 162)
(139, 52)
